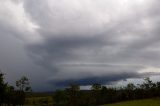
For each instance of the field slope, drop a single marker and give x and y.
(147, 102)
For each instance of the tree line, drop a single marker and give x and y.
(73, 96)
(99, 95)
(10, 95)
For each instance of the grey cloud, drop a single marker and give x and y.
(55, 50)
(108, 45)
(85, 41)
(104, 79)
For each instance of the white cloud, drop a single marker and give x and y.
(15, 18)
(152, 70)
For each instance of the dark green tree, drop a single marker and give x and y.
(148, 84)
(3, 86)
(60, 98)
(130, 91)
(96, 92)
(96, 87)
(23, 84)
(73, 93)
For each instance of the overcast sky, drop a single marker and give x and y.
(57, 42)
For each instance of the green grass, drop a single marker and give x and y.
(39, 101)
(146, 102)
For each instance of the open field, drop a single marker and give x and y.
(48, 101)
(147, 102)
(39, 101)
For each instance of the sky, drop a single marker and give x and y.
(58, 42)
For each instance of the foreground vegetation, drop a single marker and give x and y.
(146, 102)
(10, 95)
(99, 95)
(73, 96)
(39, 101)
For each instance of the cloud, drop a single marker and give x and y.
(74, 35)
(104, 79)
(84, 41)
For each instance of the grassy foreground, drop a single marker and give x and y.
(39, 101)
(147, 102)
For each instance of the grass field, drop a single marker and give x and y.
(39, 101)
(48, 101)
(147, 102)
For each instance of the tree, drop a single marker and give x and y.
(73, 92)
(104, 96)
(9, 95)
(130, 91)
(130, 86)
(148, 84)
(96, 87)
(158, 89)
(2, 88)
(23, 84)
(60, 98)
(96, 91)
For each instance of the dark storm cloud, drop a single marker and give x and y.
(126, 40)
(82, 41)
(88, 74)
(61, 49)
(104, 79)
